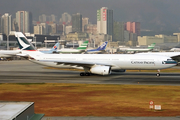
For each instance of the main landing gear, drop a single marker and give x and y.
(158, 74)
(85, 74)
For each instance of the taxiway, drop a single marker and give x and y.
(23, 71)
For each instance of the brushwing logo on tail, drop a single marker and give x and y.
(23, 42)
(23, 45)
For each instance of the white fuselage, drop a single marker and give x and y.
(140, 49)
(9, 53)
(44, 49)
(70, 51)
(95, 51)
(168, 54)
(134, 49)
(116, 61)
(175, 50)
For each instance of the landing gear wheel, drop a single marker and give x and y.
(82, 74)
(87, 74)
(158, 74)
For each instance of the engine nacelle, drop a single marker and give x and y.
(121, 70)
(101, 70)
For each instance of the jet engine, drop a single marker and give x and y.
(101, 70)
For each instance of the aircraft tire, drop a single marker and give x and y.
(82, 74)
(158, 74)
(87, 74)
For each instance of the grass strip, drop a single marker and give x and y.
(56, 99)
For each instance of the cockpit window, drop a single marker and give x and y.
(170, 60)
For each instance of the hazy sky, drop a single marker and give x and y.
(153, 14)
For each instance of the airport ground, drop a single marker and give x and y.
(65, 93)
(23, 71)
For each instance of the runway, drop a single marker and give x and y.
(22, 71)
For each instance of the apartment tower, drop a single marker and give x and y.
(105, 21)
(6, 23)
(85, 21)
(133, 27)
(24, 21)
(77, 22)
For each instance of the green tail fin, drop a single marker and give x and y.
(152, 46)
(83, 46)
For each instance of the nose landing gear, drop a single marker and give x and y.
(158, 74)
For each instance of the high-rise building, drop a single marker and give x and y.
(52, 28)
(105, 21)
(66, 18)
(14, 25)
(133, 27)
(77, 22)
(85, 21)
(68, 29)
(0, 23)
(52, 18)
(24, 21)
(118, 31)
(6, 23)
(38, 29)
(91, 28)
(45, 29)
(42, 18)
(41, 29)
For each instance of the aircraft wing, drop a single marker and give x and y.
(22, 55)
(176, 58)
(77, 63)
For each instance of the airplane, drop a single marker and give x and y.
(100, 49)
(23, 46)
(52, 50)
(8, 54)
(175, 50)
(150, 48)
(101, 64)
(80, 49)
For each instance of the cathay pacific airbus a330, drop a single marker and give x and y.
(101, 64)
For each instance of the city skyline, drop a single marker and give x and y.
(153, 15)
